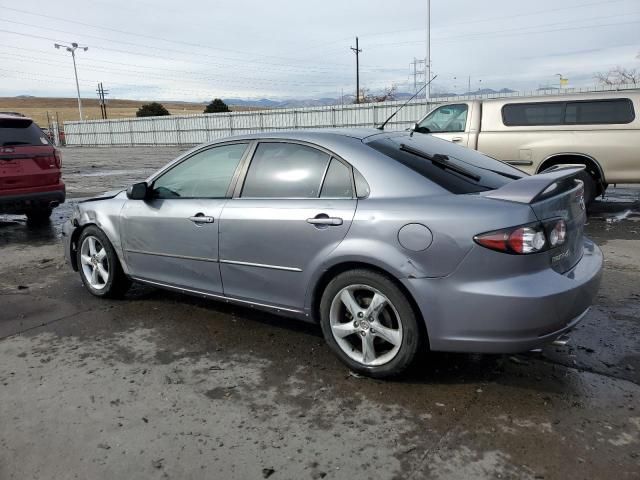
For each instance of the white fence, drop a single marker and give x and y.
(195, 129)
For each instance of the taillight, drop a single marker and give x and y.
(558, 233)
(525, 239)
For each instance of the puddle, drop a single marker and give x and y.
(626, 215)
(14, 229)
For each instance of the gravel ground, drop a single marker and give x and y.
(163, 385)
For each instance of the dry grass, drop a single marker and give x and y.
(67, 108)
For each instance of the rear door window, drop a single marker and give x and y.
(285, 170)
(21, 131)
(338, 182)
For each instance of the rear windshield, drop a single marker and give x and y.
(21, 131)
(465, 172)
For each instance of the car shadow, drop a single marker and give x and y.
(528, 370)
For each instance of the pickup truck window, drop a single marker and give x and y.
(444, 119)
(583, 112)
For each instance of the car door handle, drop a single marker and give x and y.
(201, 218)
(456, 139)
(323, 219)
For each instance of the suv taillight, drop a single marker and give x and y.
(525, 239)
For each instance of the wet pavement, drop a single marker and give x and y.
(169, 386)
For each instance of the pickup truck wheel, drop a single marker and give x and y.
(38, 217)
(590, 187)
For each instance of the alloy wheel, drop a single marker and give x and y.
(365, 325)
(95, 263)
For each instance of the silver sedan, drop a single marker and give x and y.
(392, 242)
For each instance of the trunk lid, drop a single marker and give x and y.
(27, 159)
(552, 196)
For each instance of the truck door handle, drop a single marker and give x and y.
(456, 139)
(199, 218)
(324, 219)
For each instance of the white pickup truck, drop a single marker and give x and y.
(598, 130)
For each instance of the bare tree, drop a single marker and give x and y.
(388, 94)
(619, 76)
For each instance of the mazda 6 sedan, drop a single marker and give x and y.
(392, 242)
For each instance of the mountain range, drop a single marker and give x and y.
(323, 101)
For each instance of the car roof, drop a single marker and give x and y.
(310, 135)
(11, 115)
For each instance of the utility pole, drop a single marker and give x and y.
(357, 51)
(74, 46)
(103, 104)
(427, 91)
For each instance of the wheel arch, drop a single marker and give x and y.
(338, 268)
(593, 166)
(75, 236)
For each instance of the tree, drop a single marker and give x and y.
(153, 109)
(389, 93)
(216, 106)
(619, 76)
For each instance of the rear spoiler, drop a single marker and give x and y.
(535, 187)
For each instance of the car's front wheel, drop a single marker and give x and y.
(370, 324)
(99, 265)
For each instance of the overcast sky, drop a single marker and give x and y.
(197, 50)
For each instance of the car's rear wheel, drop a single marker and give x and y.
(99, 265)
(369, 323)
(39, 216)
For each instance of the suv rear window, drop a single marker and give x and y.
(467, 172)
(21, 131)
(581, 112)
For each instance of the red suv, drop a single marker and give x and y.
(30, 169)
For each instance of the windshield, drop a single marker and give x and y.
(452, 167)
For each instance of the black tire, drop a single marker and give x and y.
(39, 217)
(591, 190)
(117, 283)
(411, 333)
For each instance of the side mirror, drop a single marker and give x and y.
(138, 191)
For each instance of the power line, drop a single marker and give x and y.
(496, 34)
(164, 49)
(151, 37)
(234, 79)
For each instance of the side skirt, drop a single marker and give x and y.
(290, 312)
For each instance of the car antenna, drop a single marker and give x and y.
(381, 127)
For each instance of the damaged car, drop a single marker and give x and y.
(393, 242)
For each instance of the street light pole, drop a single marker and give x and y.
(74, 46)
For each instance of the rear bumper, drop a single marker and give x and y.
(32, 199)
(506, 315)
